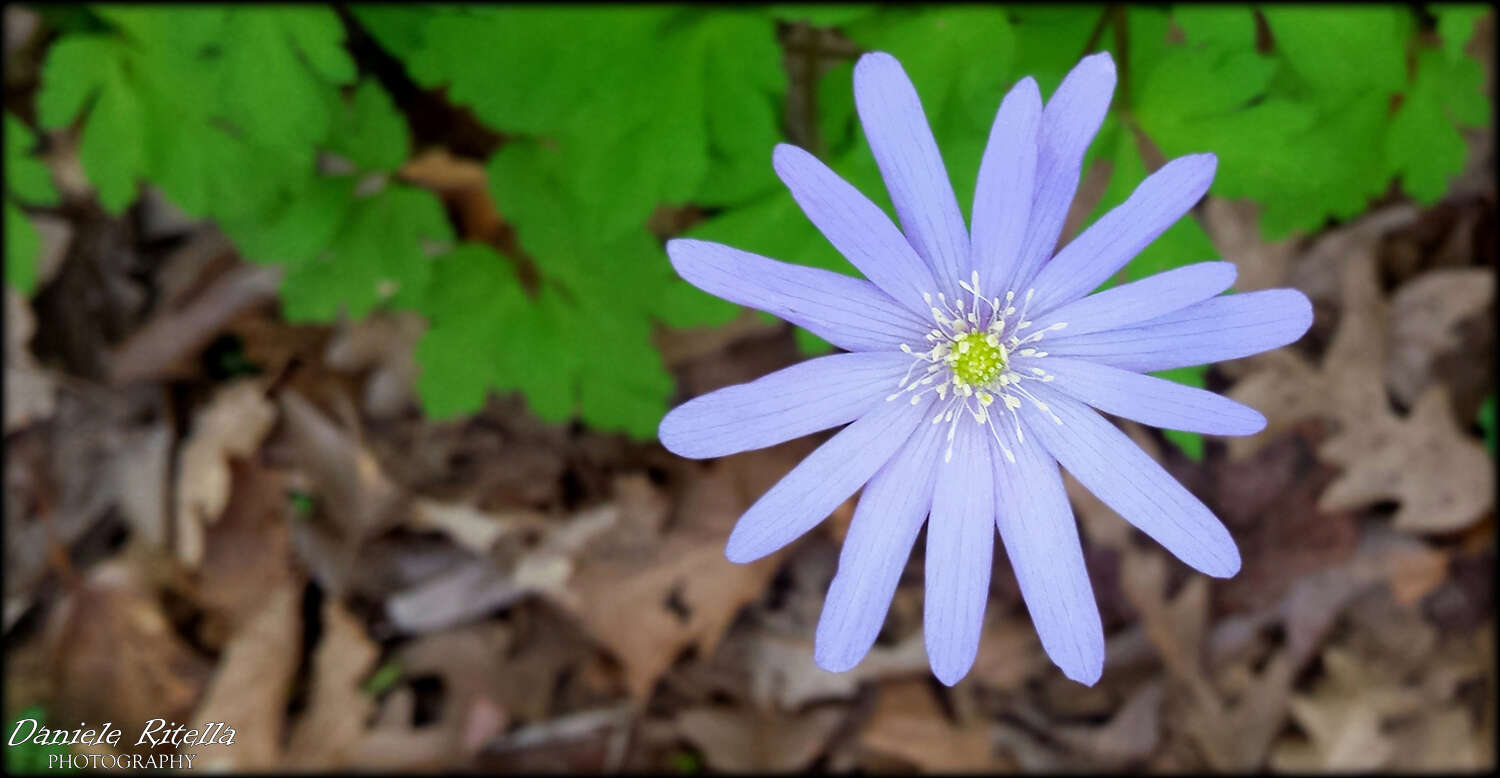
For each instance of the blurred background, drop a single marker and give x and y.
(337, 338)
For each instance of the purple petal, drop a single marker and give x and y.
(1137, 301)
(902, 143)
(1041, 539)
(1002, 195)
(847, 312)
(1069, 122)
(1117, 471)
(1091, 258)
(1151, 400)
(789, 403)
(806, 495)
(960, 542)
(1216, 329)
(856, 227)
(885, 525)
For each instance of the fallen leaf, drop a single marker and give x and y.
(116, 657)
(382, 346)
(252, 684)
(784, 675)
(1440, 477)
(1129, 736)
(1234, 227)
(232, 424)
(739, 740)
(908, 723)
(1423, 315)
(329, 731)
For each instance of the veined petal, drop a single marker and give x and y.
(847, 312)
(907, 154)
(885, 525)
(1070, 120)
(856, 227)
(1151, 400)
(1003, 193)
(960, 542)
(1119, 235)
(789, 403)
(1041, 539)
(1139, 301)
(1214, 330)
(1117, 471)
(806, 495)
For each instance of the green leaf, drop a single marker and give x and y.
(29, 758)
(278, 66)
(27, 177)
(1343, 48)
(1455, 25)
(381, 254)
(1050, 39)
(371, 133)
(22, 244)
(472, 301)
(1230, 27)
(1423, 147)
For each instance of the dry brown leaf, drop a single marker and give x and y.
(358, 496)
(382, 344)
(233, 424)
(1424, 313)
(908, 723)
(1441, 477)
(647, 601)
(247, 552)
(249, 691)
(784, 675)
(739, 740)
(172, 335)
(328, 732)
(1130, 735)
(115, 657)
(1342, 719)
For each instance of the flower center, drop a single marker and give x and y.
(970, 361)
(976, 358)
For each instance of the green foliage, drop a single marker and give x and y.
(26, 180)
(257, 118)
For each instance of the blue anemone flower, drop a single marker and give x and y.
(975, 355)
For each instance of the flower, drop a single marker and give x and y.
(974, 357)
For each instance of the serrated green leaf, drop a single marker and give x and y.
(1050, 39)
(277, 70)
(1343, 48)
(382, 253)
(26, 177)
(1229, 27)
(76, 68)
(371, 133)
(22, 244)
(1423, 147)
(1455, 25)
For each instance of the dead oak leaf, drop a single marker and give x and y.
(1442, 478)
(1424, 314)
(233, 424)
(908, 724)
(742, 740)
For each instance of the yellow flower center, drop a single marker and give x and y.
(977, 358)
